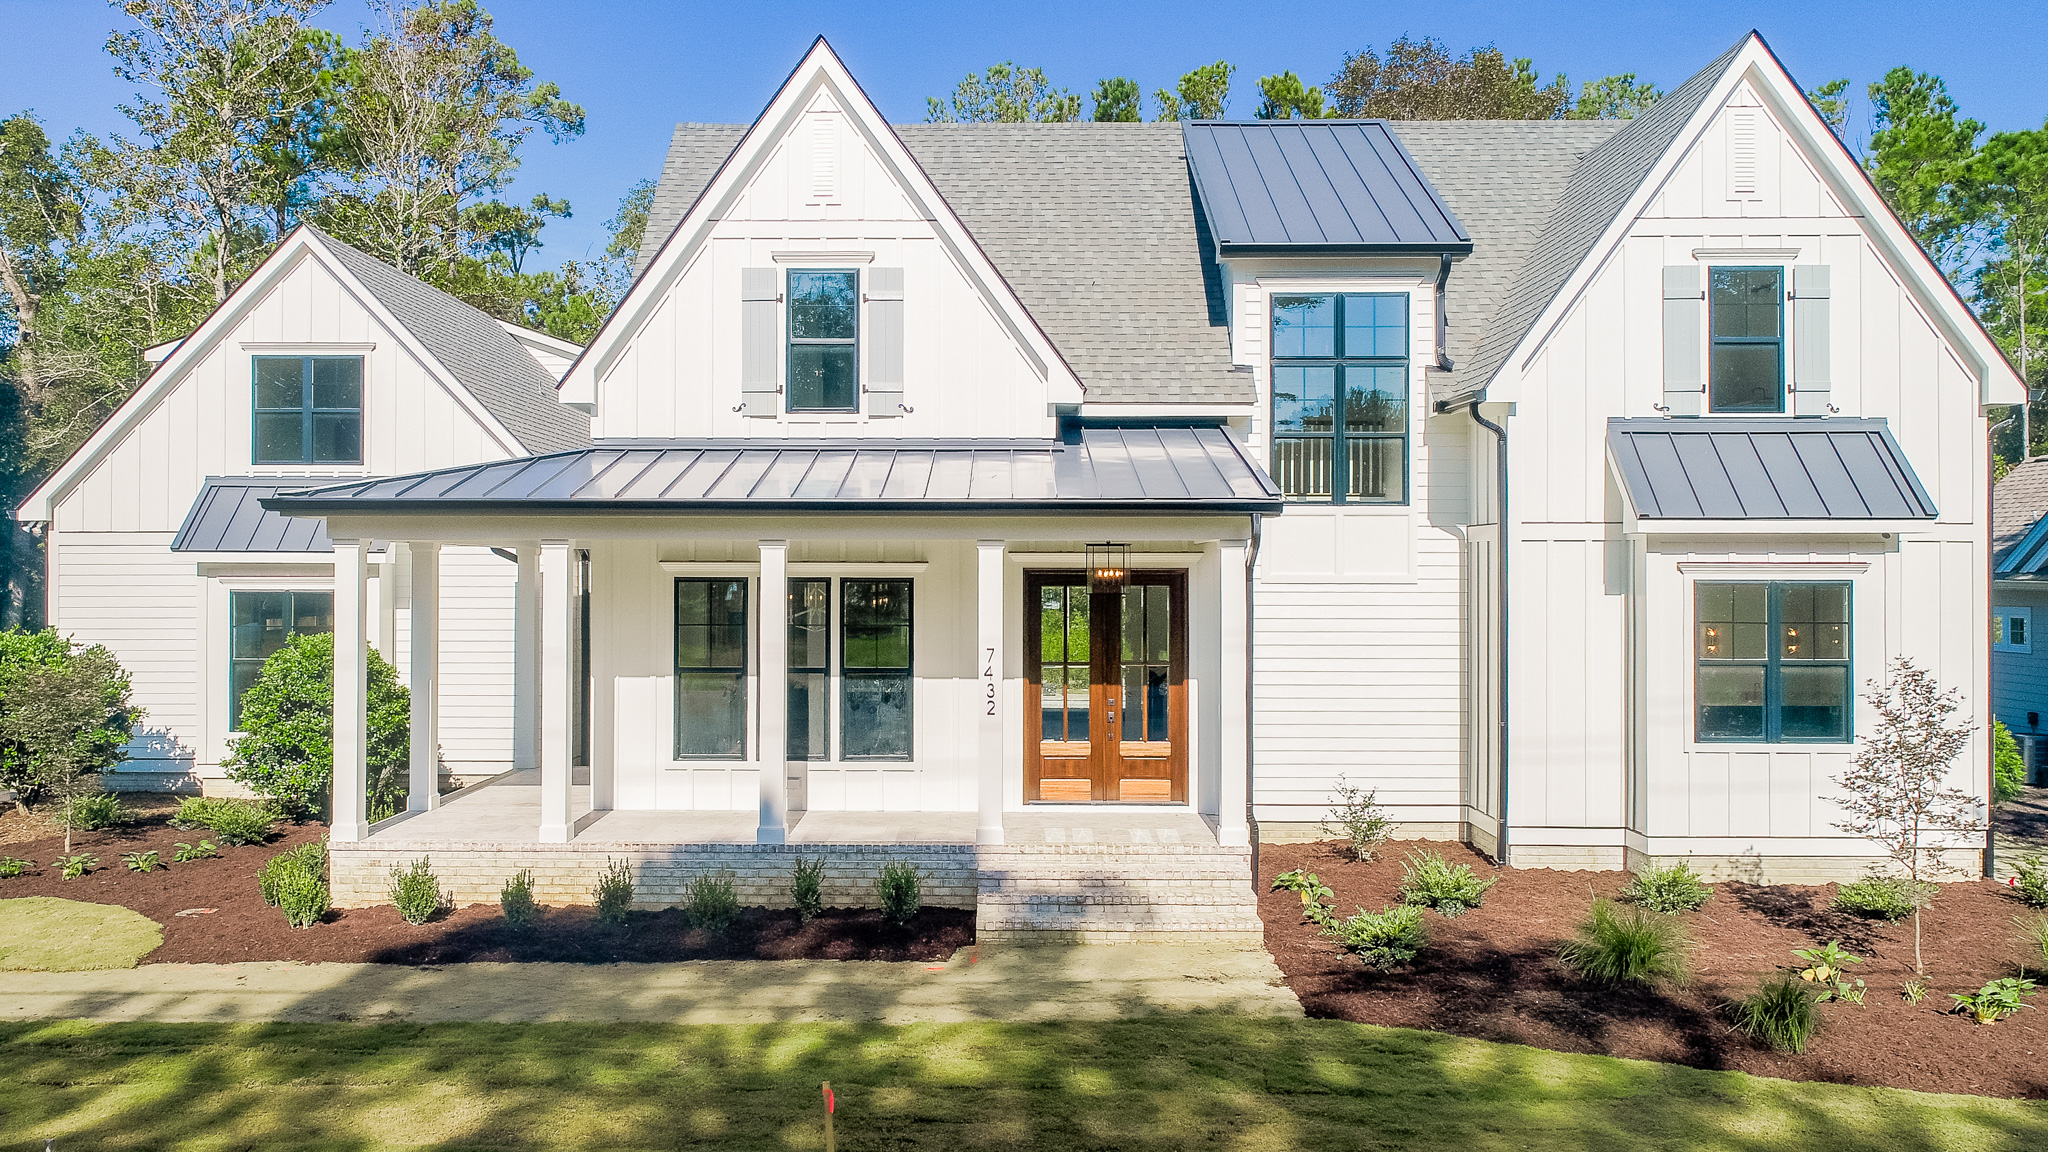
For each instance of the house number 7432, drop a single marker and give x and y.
(988, 680)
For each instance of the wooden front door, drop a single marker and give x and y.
(1106, 689)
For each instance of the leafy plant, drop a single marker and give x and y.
(2035, 932)
(416, 891)
(204, 850)
(1385, 939)
(614, 892)
(1626, 944)
(1823, 967)
(899, 891)
(240, 822)
(142, 861)
(1360, 819)
(1430, 881)
(1676, 888)
(72, 867)
(310, 858)
(711, 902)
(11, 866)
(93, 813)
(2030, 881)
(516, 901)
(1313, 893)
(287, 749)
(1889, 898)
(807, 889)
(1780, 1013)
(2009, 768)
(194, 811)
(1996, 1000)
(65, 715)
(1913, 990)
(302, 897)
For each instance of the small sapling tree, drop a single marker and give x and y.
(1896, 791)
(65, 715)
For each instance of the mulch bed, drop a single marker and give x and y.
(1493, 974)
(242, 927)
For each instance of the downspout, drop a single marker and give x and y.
(1991, 598)
(1500, 847)
(1251, 562)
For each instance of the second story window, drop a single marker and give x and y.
(824, 341)
(1746, 316)
(308, 410)
(1340, 397)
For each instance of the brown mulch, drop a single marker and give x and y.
(39, 823)
(241, 927)
(1493, 974)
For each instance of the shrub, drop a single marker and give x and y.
(1358, 817)
(93, 813)
(807, 889)
(1995, 1000)
(239, 822)
(1385, 939)
(65, 714)
(1824, 968)
(711, 903)
(1430, 881)
(11, 866)
(287, 750)
(1779, 1013)
(416, 892)
(194, 812)
(516, 901)
(1313, 892)
(2033, 932)
(308, 858)
(1624, 944)
(302, 897)
(899, 891)
(204, 850)
(1887, 898)
(2009, 768)
(1674, 889)
(614, 892)
(2030, 881)
(142, 861)
(72, 867)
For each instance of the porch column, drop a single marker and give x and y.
(349, 818)
(424, 793)
(772, 747)
(988, 658)
(557, 724)
(526, 659)
(1233, 693)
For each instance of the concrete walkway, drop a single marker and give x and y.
(991, 982)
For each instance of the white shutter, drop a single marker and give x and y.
(885, 342)
(761, 341)
(1812, 379)
(1683, 308)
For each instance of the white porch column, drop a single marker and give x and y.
(772, 747)
(1233, 693)
(424, 793)
(384, 602)
(557, 710)
(526, 659)
(349, 819)
(990, 700)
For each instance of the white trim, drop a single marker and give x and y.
(753, 568)
(1879, 529)
(530, 336)
(248, 571)
(822, 257)
(1773, 569)
(156, 353)
(2000, 637)
(1754, 255)
(305, 347)
(1169, 411)
(1076, 560)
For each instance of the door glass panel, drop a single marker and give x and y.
(1147, 655)
(1063, 662)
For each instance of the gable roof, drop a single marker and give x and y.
(1308, 186)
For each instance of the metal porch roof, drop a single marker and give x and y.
(229, 516)
(1124, 469)
(1765, 469)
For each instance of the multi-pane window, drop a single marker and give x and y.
(824, 341)
(1340, 397)
(711, 669)
(1773, 662)
(1063, 661)
(308, 410)
(1147, 661)
(874, 673)
(810, 670)
(259, 623)
(1746, 363)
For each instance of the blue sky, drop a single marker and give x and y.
(637, 68)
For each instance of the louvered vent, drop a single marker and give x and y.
(1741, 153)
(824, 160)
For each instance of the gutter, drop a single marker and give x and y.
(1251, 563)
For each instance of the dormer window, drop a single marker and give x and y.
(824, 341)
(1340, 397)
(308, 410)
(1746, 363)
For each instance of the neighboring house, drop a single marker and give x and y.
(1061, 502)
(325, 365)
(2019, 597)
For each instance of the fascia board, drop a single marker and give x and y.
(1637, 526)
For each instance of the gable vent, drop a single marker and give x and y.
(824, 160)
(1741, 153)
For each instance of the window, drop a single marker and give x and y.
(308, 410)
(1746, 363)
(824, 341)
(810, 670)
(1773, 662)
(711, 669)
(2011, 629)
(875, 682)
(1340, 397)
(258, 624)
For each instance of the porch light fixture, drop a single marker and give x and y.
(1109, 566)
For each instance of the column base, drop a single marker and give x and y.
(770, 834)
(418, 802)
(989, 834)
(556, 834)
(1234, 835)
(348, 833)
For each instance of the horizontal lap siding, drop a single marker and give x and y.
(128, 591)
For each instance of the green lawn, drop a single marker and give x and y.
(1186, 1082)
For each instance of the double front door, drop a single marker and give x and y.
(1106, 689)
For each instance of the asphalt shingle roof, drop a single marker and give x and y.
(2017, 503)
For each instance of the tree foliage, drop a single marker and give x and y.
(1201, 94)
(1006, 94)
(1285, 97)
(1920, 149)
(1118, 100)
(1613, 98)
(65, 715)
(287, 750)
(1420, 80)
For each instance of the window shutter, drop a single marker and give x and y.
(885, 342)
(1812, 379)
(1683, 308)
(760, 341)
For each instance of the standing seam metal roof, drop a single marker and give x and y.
(1319, 185)
(1750, 469)
(228, 516)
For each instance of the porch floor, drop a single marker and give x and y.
(507, 811)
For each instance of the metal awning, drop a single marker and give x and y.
(1099, 469)
(229, 516)
(1765, 469)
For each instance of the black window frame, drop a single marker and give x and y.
(254, 664)
(823, 699)
(740, 670)
(1716, 340)
(309, 415)
(1339, 436)
(850, 673)
(1773, 663)
(791, 342)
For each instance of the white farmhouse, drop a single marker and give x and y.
(1058, 501)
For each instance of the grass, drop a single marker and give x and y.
(1183, 1082)
(44, 934)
